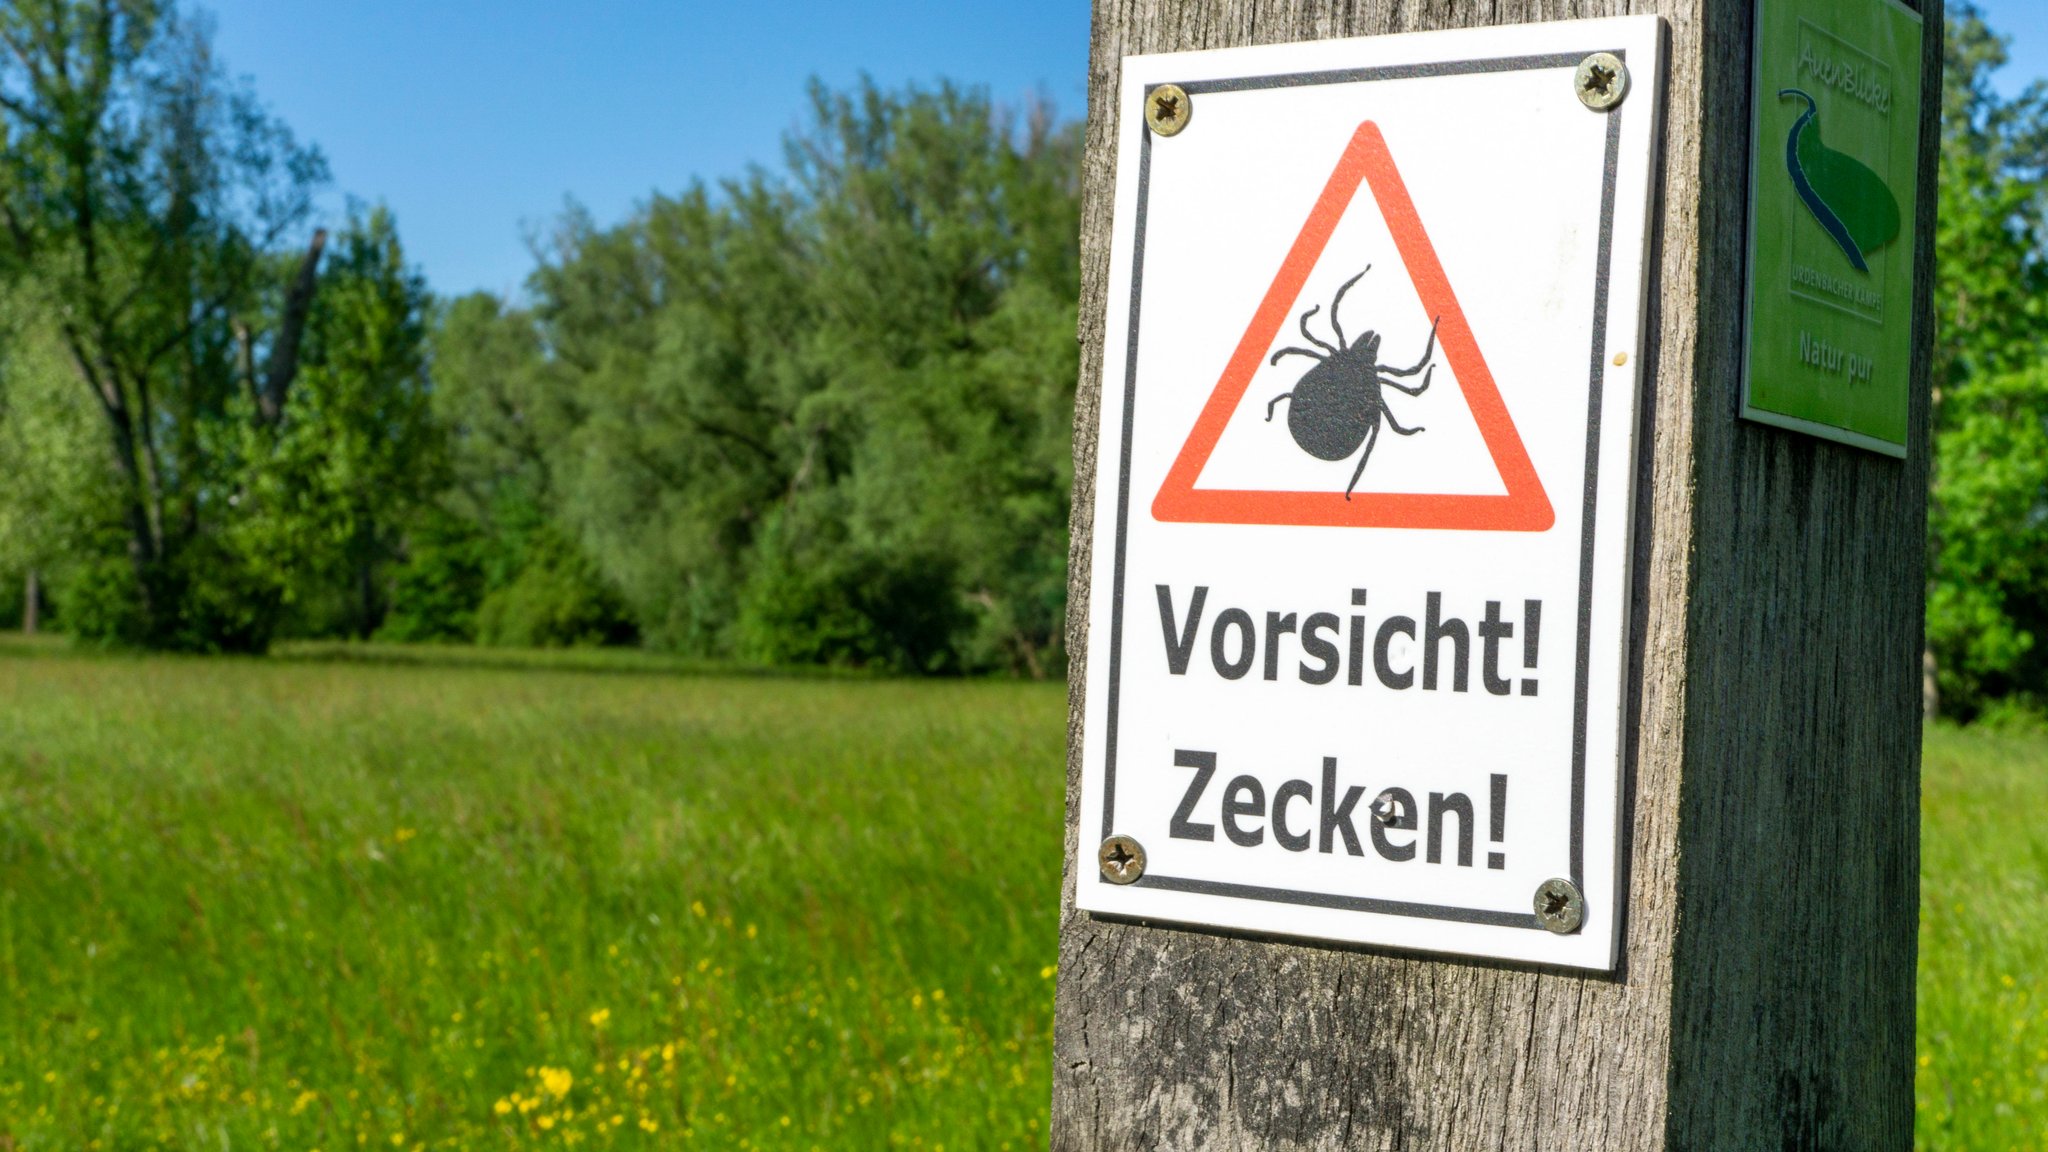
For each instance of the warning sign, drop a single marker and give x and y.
(1337, 409)
(1360, 557)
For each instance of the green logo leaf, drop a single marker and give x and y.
(1849, 200)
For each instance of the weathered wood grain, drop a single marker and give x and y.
(1765, 999)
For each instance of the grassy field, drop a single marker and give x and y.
(1983, 1027)
(396, 899)
(335, 905)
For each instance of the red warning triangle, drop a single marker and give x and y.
(1522, 508)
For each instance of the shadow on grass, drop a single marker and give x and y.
(21, 646)
(605, 661)
(601, 661)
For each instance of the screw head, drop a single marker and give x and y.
(1168, 109)
(1121, 859)
(1559, 907)
(1386, 809)
(1602, 81)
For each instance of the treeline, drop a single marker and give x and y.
(1987, 570)
(817, 414)
(820, 415)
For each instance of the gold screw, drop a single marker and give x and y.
(1601, 81)
(1168, 109)
(1121, 859)
(1559, 907)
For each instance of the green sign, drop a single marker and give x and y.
(1834, 169)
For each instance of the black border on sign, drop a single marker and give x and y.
(1602, 261)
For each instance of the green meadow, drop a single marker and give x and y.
(402, 898)
(1983, 1026)
(411, 903)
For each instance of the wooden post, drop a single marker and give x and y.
(1766, 994)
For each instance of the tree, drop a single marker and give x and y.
(491, 561)
(826, 417)
(1987, 604)
(491, 409)
(945, 280)
(142, 198)
(325, 484)
(948, 278)
(685, 335)
(52, 506)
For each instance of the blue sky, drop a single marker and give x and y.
(2025, 23)
(476, 119)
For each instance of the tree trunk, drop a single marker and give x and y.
(284, 353)
(144, 545)
(366, 594)
(31, 604)
(369, 608)
(1766, 994)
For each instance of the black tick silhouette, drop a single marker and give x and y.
(1337, 405)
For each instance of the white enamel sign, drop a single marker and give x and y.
(1363, 502)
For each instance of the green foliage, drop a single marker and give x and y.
(143, 195)
(1987, 603)
(326, 494)
(500, 404)
(99, 599)
(302, 904)
(827, 417)
(821, 415)
(54, 511)
(267, 418)
(511, 576)
(436, 592)
(817, 597)
(701, 412)
(553, 600)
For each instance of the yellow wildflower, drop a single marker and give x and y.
(557, 1081)
(600, 1018)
